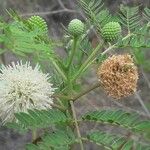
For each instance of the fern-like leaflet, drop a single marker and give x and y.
(146, 13)
(115, 142)
(129, 17)
(36, 119)
(118, 117)
(57, 140)
(96, 13)
(140, 38)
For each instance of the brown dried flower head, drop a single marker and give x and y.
(118, 76)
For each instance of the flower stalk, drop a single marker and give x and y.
(59, 69)
(85, 64)
(34, 135)
(72, 52)
(76, 125)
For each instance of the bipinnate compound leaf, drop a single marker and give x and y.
(35, 119)
(131, 121)
(58, 140)
(96, 13)
(129, 17)
(146, 13)
(115, 142)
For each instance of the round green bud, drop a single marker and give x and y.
(76, 27)
(111, 31)
(38, 22)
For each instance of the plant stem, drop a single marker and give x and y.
(60, 96)
(59, 70)
(87, 61)
(113, 46)
(72, 53)
(86, 91)
(2, 60)
(58, 106)
(34, 135)
(76, 125)
(145, 77)
(106, 51)
(142, 104)
(74, 98)
(87, 32)
(84, 139)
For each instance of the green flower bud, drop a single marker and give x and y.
(111, 31)
(76, 27)
(38, 22)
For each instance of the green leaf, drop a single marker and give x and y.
(146, 13)
(129, 17)
(32, 147)
(2, 51)
(141, 59)
(57, 140)
(140, 38)
(120, 118)
(114, 142)
(96, 13)
(16, 126)
(22, 41)
(143, 126)
(35, 119)
(128, 145)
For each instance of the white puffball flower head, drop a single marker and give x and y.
(23, 87)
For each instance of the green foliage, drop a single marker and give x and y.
(115, 142)
(138, 43)
(96, 13)
(146, 13)
(18, 38)
(119, 117)
(57, 140)
(139, 55)
(139, 39)
(22, 42)
(129, 17)
(15, 16)
(36, 119)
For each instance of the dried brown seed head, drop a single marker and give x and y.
(118, 76)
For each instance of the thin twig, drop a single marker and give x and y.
(145, 77)
(142, 104)
(130, 109)
(113, 46)
(74, 98)
(76, 125)
(49, 12)
(61, 4)
(87, 32)
(86, 91)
